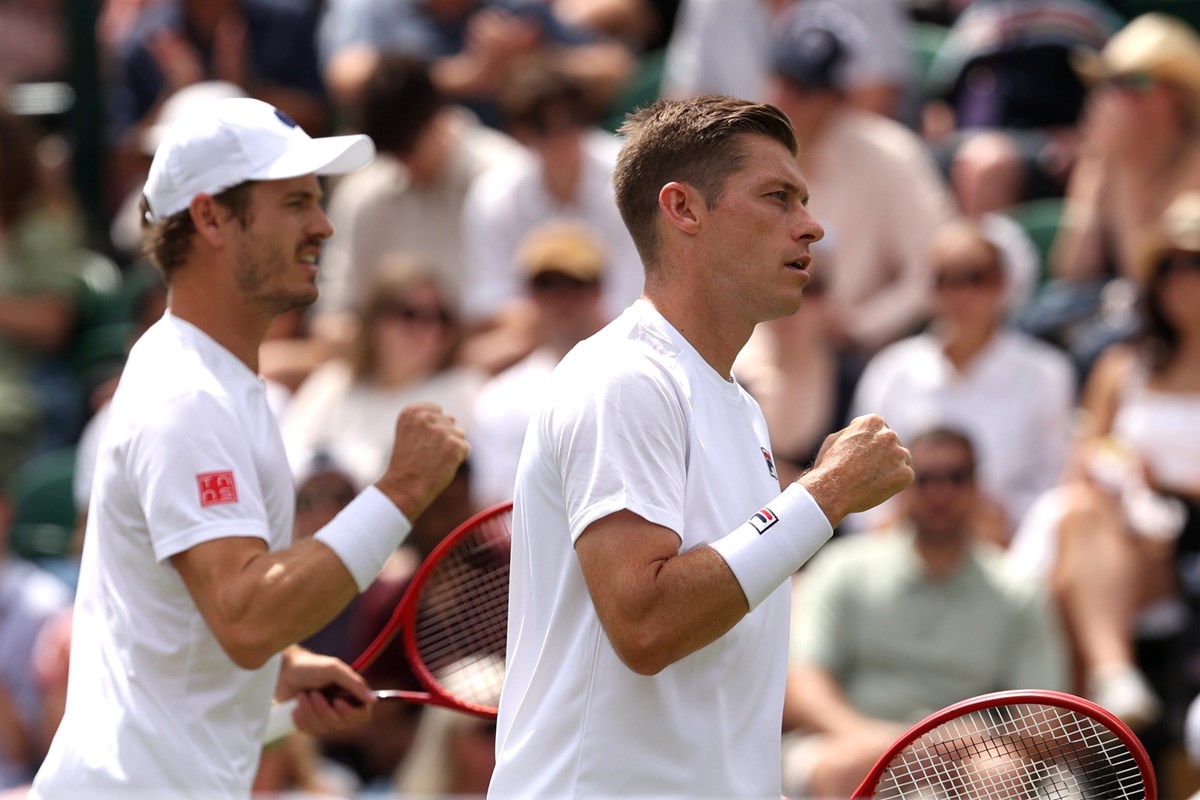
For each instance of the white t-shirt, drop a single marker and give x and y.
(636, 419)
(155, 707)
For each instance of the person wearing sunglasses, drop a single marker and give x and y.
(895, 624)
(1013, 394)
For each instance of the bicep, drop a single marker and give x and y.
(211, 570)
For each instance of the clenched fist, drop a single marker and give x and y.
(858, 468)
(428, 449)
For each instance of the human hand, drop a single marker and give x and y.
(428, 449)
(329, 695)
(858, 468)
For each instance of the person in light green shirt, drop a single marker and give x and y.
(40, 267)
(893, 625)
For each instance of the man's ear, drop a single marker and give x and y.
(209, 218)
(682, 205)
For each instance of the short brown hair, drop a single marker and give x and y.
(167, 242)
(698, 141)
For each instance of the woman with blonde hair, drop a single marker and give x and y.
(402, 353)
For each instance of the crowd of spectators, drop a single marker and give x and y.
(1010, 275)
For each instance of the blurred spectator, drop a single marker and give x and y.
(1013, 395)
(410, 198)
(453, 753)
(1006, 123)
(792, 363)
(40, 270)
(267, 47)
(875, 188)
(29, 599)
(1141, 147)
(402, 354)
(1120, 541)
(472, 45)
(564, 270)
(566, 175)
(721, 47)
(33, 39)
(893, 625)
(295, 768)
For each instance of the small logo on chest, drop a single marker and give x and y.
(216, 487)
(770, 463)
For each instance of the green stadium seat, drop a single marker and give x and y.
(1041, 220)
(44, 505)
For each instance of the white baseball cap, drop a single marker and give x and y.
(241, 139)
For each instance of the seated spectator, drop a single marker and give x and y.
(1013, 395)
(403, 353)
(791, 364)
(472, 46)
(893, 625)
(566, 174)
(875, 188)
(564, 270)
(1006, 123)
(1118, 541)
(264, 46)
(40, 269)
(720, 47)
(1140, 148)
(410, 198)
(29, 599)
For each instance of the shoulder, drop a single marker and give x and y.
(1038, 354)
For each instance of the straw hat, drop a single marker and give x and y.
(1178, 229)
(568, 248)
(1155, 44)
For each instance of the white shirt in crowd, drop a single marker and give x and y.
(511, 200)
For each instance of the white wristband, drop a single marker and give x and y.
(775, 542)
(365, 533)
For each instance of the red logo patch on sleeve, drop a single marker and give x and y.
(216, 487)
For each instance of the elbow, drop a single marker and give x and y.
(642, 651)
(247, 648)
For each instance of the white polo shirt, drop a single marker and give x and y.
(155, 708)
(636, 419)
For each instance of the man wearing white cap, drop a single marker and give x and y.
(191, 593)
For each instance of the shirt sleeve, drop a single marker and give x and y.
(621, 443)
(194, 475)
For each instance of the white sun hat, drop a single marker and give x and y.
(240, 139)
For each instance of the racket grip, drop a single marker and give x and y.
(279, 721)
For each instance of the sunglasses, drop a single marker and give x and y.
(965, 278)
(962, 476)
(1131, 82)
(1179, 263)
(413, 314)
(553, 281)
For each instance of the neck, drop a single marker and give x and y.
(716, 335)
(941, 558)
(961, 343)
(234, 326)
(561, 169)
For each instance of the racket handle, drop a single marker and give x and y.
(279, 721)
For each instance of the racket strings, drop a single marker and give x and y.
(1022, 752)
(461, 621)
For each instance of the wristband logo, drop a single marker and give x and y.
(764, 518)
(216, 487)
(770, 463)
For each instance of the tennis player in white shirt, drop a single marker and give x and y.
(649, 605)
(191, 592)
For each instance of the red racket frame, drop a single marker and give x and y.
(866, 789)
(405, 614)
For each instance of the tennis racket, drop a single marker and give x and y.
(454, 619)
(1031, 745)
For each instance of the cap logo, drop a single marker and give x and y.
(216, 487)
(285, 119)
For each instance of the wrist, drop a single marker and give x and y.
(823, 489)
